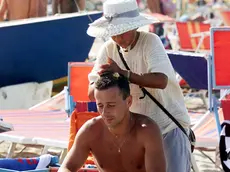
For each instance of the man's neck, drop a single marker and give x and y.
(124, 127)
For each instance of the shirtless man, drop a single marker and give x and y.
(22, 9)
(118, 139)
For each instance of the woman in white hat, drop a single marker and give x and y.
(150, 67)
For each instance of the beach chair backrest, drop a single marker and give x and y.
(78, 80)
(225, 17)
(185, 31)
(78, 90)
(77, 119)
(220, 45)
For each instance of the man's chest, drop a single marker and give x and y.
(112, 157)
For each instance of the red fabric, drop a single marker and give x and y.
(138, 2)
(226, 17)
(82, 106)
(76, 121)
(226, 108)
(182, 82)
(221, 57)
(185, 29)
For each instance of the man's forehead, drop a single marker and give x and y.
(111, 92)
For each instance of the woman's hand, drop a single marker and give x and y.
(110, 66)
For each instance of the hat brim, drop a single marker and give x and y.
(117, 26)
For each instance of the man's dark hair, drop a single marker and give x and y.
(110, 79)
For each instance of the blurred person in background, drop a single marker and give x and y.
(22, 9)
(67, 6)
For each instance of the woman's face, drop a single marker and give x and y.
(125, 39)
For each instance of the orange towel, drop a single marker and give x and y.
(76, 121)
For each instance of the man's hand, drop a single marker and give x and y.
(110, 66)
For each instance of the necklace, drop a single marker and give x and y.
(125, 139)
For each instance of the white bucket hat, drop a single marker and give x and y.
(120, 16)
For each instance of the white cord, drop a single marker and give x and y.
(91, 20)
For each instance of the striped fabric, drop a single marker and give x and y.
(206, 133)
(195, 117)
(55, 103)
(186, 29)
(86, 107)
(49, 128)
(225, 17)
(220, 58)
(44, 124)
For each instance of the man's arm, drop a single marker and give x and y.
(153, 144)
(79, 152)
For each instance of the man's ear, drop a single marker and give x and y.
(129, 100)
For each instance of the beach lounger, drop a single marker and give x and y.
(192, 67)
(77, 89)
(225, 15)
(184, 63)
(4, 126)
(208, 129)
(219, 71)
(47, 128)
(44, 124)
(193, 36)
(54, 103)
(79, 107)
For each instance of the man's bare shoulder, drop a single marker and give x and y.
(93, 123)
(93, 126)
(145, 125)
